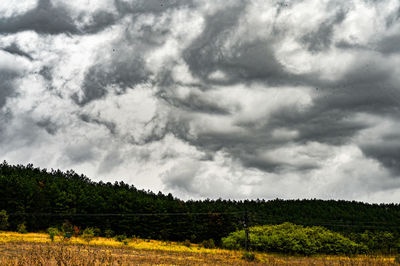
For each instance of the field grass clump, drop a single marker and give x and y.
(52, 231)
(293, 239)
(248, 256)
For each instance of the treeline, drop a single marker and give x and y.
(40, 198)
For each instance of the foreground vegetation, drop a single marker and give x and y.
(289, 238)
(37, 248)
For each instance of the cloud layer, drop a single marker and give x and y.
(231, 99)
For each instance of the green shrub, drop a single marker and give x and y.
(293, 239)
(186, 243)
(208, 243)
(52, 231)
(3, 220)
(109, 233)
(88, 234)
(21, 228)
(248, 256)
(96, 231)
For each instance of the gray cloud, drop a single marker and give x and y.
(14, 49)
(109, 125)
(321, 39)
(7, 89)
(386, 151)
(149, 6)
(389, 45)
(46, 18)
(48, 125)
(243, 61)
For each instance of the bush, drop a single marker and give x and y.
(248, 256)
(96, 231)
(384, 242)
(88, 234)
(21, 228)
(186, 243)
(208, 243)
(67, 227)
(3, 220)
(52, 231)
(120, 238)
(397, 259)
(109, 233)
(293, 239)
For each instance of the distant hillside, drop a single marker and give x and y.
(41, 198)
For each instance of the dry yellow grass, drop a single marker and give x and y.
(37, 249)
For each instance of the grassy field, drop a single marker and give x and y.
(37, 249)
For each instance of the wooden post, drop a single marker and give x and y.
(246, 229)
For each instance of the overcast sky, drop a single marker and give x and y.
(207, 99)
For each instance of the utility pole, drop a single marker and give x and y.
(246, 230)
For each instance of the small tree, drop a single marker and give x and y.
(67, 228)
(3, 220)
(21, 228)
(52, 231)
(77, 230)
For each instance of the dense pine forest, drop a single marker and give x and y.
(40, 198)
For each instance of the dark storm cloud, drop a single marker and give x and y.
(46, 18)
(5, 117)
(194, 103)
(109, 125)
(205, 54)
(122, 73)
(16, 50)
(389, 45)
(243, 61)
(321, 38)
(149, 6)
(99, 21)
(110, 162)
(7, 88)
(367, 88)
(80, 153)
(386, 150)
(46, 73)
(48, 125)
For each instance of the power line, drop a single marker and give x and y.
(255, 217)
(126, 214)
